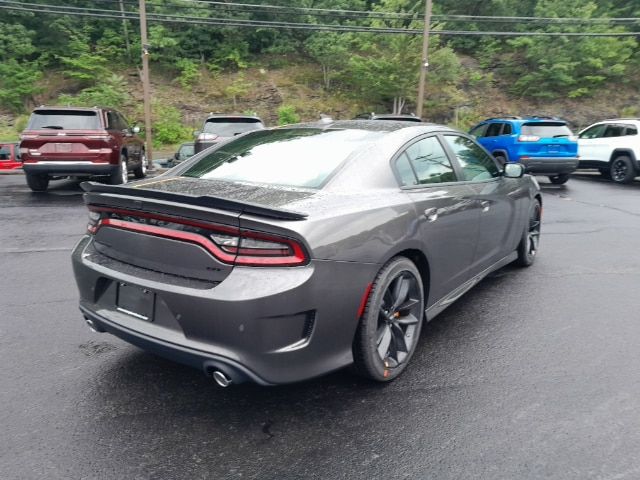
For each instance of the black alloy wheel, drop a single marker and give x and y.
(390, 326)
(622, 170)
(528, 247)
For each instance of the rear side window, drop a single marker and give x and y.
(631, 130)
(476, 164)
(63, 120)
(546, 129)
(430, 162)
(507, 129)
(297, 157)
(229, 127)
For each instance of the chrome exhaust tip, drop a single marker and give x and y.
(221, 378)
(91, 325)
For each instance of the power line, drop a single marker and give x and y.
(177, 19)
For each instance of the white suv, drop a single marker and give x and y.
(613, 147)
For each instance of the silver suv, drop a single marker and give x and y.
(613, 147)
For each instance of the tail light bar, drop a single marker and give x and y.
(205, 136)
(528, 138)
(230, 245)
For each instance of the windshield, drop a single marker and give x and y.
(63, 120)
(546, 129)
(228, 127)
(300, 157)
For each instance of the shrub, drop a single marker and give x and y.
(287, 114)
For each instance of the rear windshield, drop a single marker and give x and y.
(546, 129)
(63, 120)
(301, 157)
(228, 127)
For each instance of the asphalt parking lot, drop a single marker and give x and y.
(533, 374)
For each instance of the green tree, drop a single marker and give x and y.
(18, 73)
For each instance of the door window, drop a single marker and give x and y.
(476, 164)
(507, 129)
(429, 162)
(614, 131)
(596, 131)
(494, 130)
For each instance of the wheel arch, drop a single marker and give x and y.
(501, 151)
(619, 152)
(421, 262)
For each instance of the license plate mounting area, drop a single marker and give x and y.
(135, 301)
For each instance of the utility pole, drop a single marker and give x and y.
(145, 83)
(125, 30)
(424, 65)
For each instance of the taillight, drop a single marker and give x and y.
(528, 138)
(207, 136)
(228, 244)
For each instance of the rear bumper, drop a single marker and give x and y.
(55, 168)
(550, 165)
(265, 325)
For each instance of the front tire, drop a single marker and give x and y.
(559, 179)
(529, 244)
(120, 175)
(390, 325)
(622, 170)
(37, 183)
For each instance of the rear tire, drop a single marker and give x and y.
(559, 179)
(501, 159)
(622, 170)
(390, 326)
(37, 183)
(529, 244)
(120, 175)
(141, 170)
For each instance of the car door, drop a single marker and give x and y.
(499, 201)
(490, 139)
(593, 147)
(447, 222)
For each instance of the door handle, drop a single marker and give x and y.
(431, 214)
(486, 205)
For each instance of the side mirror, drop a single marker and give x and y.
(135, 129)
(513, 170)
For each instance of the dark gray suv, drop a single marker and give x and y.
(218, 128)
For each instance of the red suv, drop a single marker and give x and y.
(61, 142)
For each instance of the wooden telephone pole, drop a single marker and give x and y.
(145, 83)
(424, 65)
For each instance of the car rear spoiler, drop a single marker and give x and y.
(207, 201)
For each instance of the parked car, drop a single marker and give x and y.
(185, 151)
(544, 145)
(9, 156)
(218, 128)
(288, 253)
(401, 117)
(613, 147)
(68, 141)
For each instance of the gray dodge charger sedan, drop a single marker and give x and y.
(284, 254)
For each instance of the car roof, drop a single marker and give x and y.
(235, 117)
(70, 108)
(531, 119)
(371, 125)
